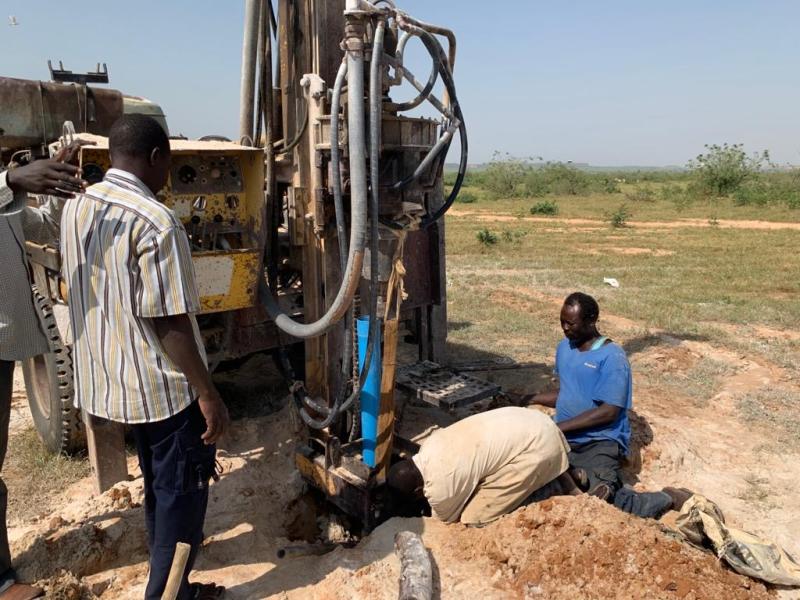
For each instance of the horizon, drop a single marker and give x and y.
(621, 85)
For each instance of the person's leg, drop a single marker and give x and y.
(601, 462)
(508, 488)
(146, 466)
(182, 467)
(648, 505)
(7, 576)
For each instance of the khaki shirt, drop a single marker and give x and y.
(21, 333)
(485, 465)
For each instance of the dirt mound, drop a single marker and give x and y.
(65, 586)
(562, 548)
(87, 536)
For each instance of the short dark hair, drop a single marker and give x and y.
(136, 136)
(590, 310)
(404, 477)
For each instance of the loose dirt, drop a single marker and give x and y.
(95, 546)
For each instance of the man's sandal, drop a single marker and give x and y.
(580, 477)
(679, 496)
(21, 591)
(602, 491)
(206, 591)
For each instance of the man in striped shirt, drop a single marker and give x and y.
(138, 355)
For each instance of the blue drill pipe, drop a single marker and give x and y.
(371, 392)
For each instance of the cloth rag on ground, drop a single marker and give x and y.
(702, 523)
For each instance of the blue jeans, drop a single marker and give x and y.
(602, 462)
(176, 467)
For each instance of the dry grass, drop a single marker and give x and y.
(710, 284)
(39, 478)
(654, 208)
(775, 409)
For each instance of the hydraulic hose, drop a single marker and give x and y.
(443, 67)
(375, 122)
(425, 91)
(341, 229)
(359, 202)
(439, 58)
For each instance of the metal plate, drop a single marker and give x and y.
(436, 385)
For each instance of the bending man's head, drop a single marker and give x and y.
(579, 316)
(404, 477)
(139, 145)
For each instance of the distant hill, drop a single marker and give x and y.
(581, 166)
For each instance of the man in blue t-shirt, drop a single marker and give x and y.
(592, 402)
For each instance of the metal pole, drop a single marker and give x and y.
(248, 86)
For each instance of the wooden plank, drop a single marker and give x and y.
(106, 442)
(383, 449)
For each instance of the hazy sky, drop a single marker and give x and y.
(609, 83)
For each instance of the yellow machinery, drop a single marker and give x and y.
(216, 190)
(323, 228)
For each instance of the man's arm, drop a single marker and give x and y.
(604, 414)
(177, 338)
(547, 398)
(49, 177)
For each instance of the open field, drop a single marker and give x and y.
(707, 313)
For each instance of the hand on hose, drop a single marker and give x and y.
(49, 177)
(216, 415)
(69, 154)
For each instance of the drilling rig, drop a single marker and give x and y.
(321, 229)
(355, 214)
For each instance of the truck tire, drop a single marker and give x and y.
(49, 386)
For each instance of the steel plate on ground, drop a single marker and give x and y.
(439, 386)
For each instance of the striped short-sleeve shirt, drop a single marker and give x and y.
(126, 259)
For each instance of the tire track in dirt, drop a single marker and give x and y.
(677, 224)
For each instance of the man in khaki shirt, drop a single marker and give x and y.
(21, 333)
(486, 465)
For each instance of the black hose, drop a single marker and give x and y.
(375, 122)
(442, 66)
(423, 94)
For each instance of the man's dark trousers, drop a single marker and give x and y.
(176, 467)
(602, 462)
(6, 388)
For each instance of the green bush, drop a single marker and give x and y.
(545, 207)
(565, 180)
(681, 197)
(486, 237)
(722, 170)
(503, 178)
(609, 185)
(642, 194)
(755, 192)
(534, 184)
(619, 218)
(466, 197)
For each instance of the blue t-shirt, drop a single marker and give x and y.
(589, 379)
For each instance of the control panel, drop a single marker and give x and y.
(206, 174)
